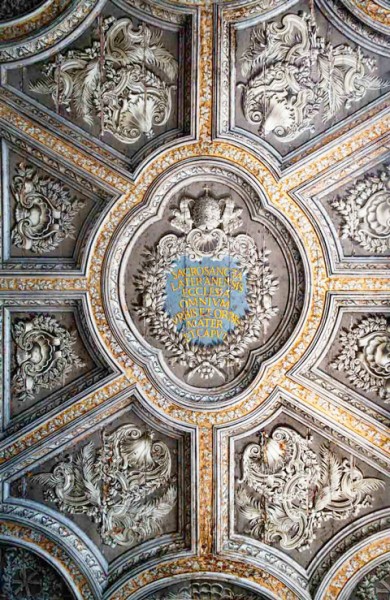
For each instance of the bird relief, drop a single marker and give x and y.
(126, 487)
(206, 294)
(287, 490)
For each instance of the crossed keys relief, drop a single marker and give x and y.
(206, 294)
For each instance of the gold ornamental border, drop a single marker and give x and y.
(206, 564)
(373, 9)
(353, 565)
(29, 23)
(278, 191)
(273, 375)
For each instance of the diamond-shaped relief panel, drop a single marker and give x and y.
(359, 356)
(349, 358)
(50, 358)
(290, 487)
(359, 211)
(291, 77)
(49, 211)
(125, 81)
(125, 484)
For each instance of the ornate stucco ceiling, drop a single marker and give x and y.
(195, 299)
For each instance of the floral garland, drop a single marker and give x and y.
(205, 360)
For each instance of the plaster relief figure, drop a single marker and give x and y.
(122, 83)
(126, 487)
(287, 491)
(293, 74)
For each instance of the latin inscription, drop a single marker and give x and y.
(206, 299)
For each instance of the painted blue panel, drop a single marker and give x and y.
(206, 298)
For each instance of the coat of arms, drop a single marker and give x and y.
(206, 294)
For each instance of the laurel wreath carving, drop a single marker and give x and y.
(52, 201)
(45, 355)
(204, 360)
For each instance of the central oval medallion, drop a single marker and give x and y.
(210, 285)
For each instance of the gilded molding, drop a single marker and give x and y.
(207, 564)
(376, 11)
(352, 565)
(205, 72)
(356, 283)
(206, 484)
(377, 435)
(64, 417)
(28, 24)
(27, 283)
(78, 159)
(339, 154)
(344, 148)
